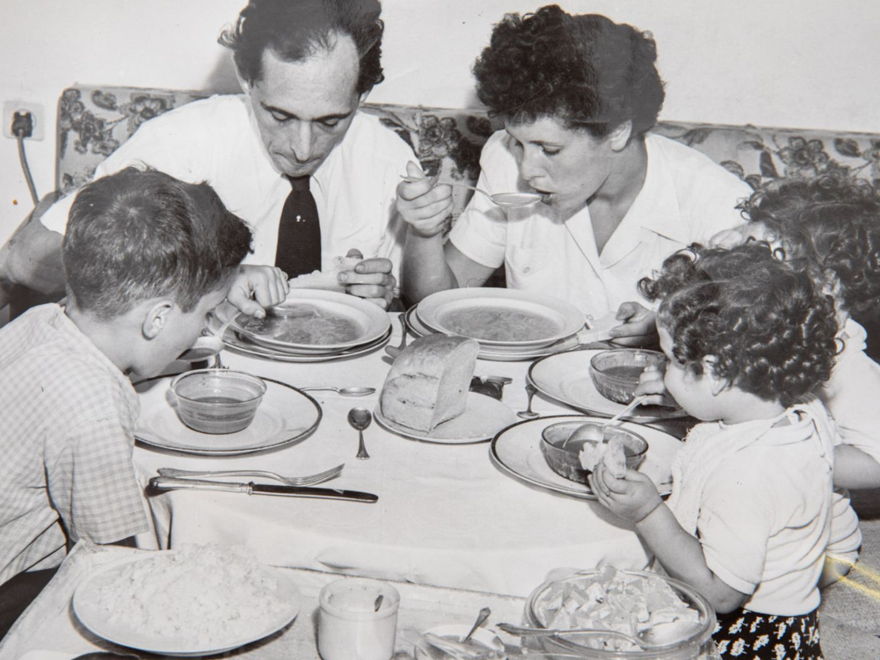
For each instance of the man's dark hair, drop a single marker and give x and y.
(296, 29)
(583, 69)
(142, 234)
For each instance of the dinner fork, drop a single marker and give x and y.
(307, 480)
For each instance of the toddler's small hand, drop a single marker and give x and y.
(633, 497)
(651, 384)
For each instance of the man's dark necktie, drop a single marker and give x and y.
(299, 232)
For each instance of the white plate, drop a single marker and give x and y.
(482, 419)
(564, 319)
(88, 610)
(498, 354)
(286, 415)
(371, 321)
(565, 378)
(242, 345)
(516, 451)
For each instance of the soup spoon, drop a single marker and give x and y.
(505, 200)
(343, 391)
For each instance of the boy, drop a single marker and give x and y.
(146, 257)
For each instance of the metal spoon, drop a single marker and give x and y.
(360, 418)
(507, 199)
(548, 632)
(343, 391)
(657, 636)
(528, 413)
(481, 619)
(394, 351)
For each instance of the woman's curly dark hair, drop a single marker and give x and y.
(827, 224)
(296, 29)
(770, 329)
(583, 69)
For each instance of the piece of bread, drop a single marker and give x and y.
(612, 454)
(428, 382)
(325, 279)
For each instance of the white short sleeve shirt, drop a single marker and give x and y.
(686, 197)
(216, 140)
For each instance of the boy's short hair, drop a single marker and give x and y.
(141, 234)
(828, 223)
(769, 327)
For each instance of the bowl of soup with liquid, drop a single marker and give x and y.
(217, 400)
(616, 372)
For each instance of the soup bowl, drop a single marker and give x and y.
(561, 445)
(217, 400)
(616, 372)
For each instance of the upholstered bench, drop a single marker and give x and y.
(94, 121)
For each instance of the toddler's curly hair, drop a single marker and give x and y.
(584, 69)
(828, 224)
(769, 328)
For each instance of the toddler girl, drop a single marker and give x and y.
(748, 340)
(829, 227)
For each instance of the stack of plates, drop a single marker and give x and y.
(310, 326)
(509, 324)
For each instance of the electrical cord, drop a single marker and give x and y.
(22, 157)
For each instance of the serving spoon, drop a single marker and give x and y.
(657, 636)
(504, 200)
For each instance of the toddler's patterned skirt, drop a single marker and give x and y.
(755, 636)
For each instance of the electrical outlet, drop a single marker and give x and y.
(37, 113)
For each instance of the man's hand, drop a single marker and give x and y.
(637, 328)
(632, 498)
(423, 205)
(370, 279)
(257, 287)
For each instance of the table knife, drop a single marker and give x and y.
(158, 484)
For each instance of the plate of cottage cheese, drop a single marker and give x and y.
(198, 600)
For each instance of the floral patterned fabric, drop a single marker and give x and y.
(94, 121)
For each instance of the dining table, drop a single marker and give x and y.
(446, 515)
(49, 629)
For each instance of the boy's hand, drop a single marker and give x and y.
(651, 385)
(637, 326)
(632, 498)
(257, 287)
(370, 279)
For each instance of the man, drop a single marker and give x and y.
(293, 146)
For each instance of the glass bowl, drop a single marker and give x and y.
(695, 644)
(217, 400)
(615, 373)
(561, 451)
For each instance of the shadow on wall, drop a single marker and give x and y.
(222, 79)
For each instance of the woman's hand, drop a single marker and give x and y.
(370, 279)
(637, 326)
(257, 287)
(423, 205)
(632, 497)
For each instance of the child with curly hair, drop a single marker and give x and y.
(829, 227)
(748, 341)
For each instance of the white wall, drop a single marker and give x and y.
(798, 63)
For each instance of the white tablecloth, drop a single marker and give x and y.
(445, 516)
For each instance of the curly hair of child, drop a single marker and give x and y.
(828, 224)
(767, 328)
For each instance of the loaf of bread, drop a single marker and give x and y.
(428, 382)
(325, 279)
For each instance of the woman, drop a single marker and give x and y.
(577, 94)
